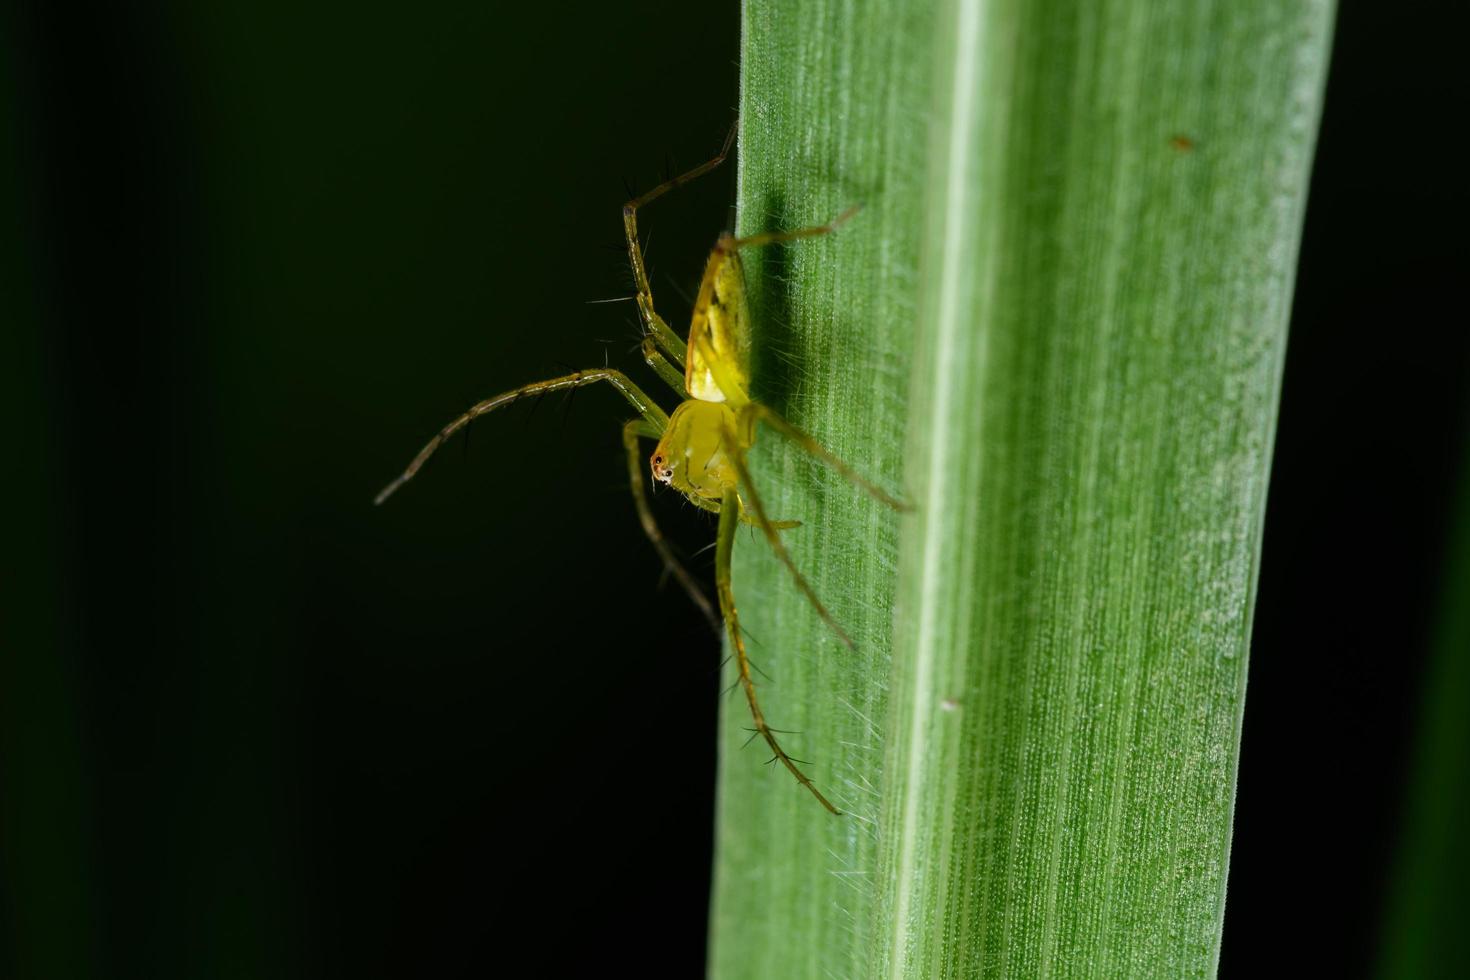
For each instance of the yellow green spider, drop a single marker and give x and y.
(702, 447)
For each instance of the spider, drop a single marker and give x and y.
(702, 446)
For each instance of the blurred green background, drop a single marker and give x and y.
(254, 726)
(255, 254)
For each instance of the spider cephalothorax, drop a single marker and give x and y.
(692, 455)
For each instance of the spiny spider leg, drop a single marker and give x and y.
(729, 243)
(737, 459)
(754, 412)
(715, 508)
(729, 521)
(662, 334)
(671, 375)
(635, 396)
(637, 476)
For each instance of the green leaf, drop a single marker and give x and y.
(1058, 326)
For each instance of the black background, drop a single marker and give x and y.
(255, 727)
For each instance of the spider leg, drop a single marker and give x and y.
(658, 329)
(724, 546)
(745, 518)
(728, 243)
(634, 430)
(736, 454)
(672, 376)
(753, 412)
(663, 336)
(635, 396)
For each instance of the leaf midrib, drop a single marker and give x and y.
(958, 153)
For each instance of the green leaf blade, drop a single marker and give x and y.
(1095, 267)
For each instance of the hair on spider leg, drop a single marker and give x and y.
(757, 667)
(755, 643)
(679, 290)
(566, 366)
(787, 357)
(768, 728)
(535, 404)
(755, 535)
(566, 409)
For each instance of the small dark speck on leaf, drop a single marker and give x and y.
(1181, 143)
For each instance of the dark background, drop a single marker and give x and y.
(254, 727)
